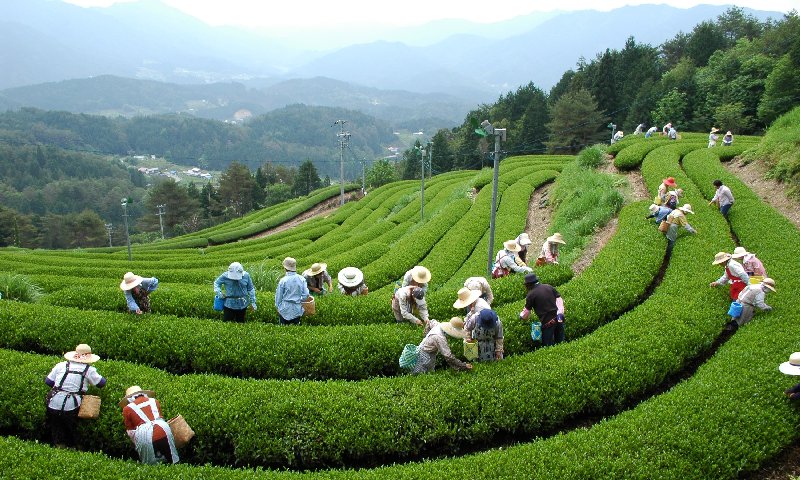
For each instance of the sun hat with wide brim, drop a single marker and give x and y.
(82, 354)
(512, 246)
(420, 274)
(524, 239)
(556, 238)
(714, 129)
(318, 268)
(721, 257)
(653, 208)
(769, 283)
(728, 133)
(792, 367)
(130, 281)
(350, 276)
(466, 297)
(686, 208)
(454, 328)
(235, 271)
(290, 264)
(670, 181)
(739, 252)
(133, 390)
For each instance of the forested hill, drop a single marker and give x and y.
(286, 136)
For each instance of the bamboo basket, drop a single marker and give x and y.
(90, 407)
(309, 306)
(181, 431)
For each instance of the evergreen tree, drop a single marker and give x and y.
(577, 123)
(412, 161)
(307, 179)
(179, 206)
(236, 189)
(442, 153)
(380, 173)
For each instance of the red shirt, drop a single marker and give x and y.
(132, 420)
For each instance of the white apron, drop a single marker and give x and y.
(143, 435)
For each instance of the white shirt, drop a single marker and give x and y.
(73, 383)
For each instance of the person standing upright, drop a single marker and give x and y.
(68, 381)
(712, 137)
(239, 292)
(291, 292)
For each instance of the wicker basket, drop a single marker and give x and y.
(181, 431)
(309, 306)
(90, 407)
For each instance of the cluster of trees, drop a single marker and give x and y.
(736, 73)
(187, 208)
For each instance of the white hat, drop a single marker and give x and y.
(130, 281)
(512, 246)
(290, 264)
(82, 354)
(653, 208)
(350, 276)
(421, 274)
(133, 390)
(721, 257)
(454, 328)
(769, 283)
(556, 238)
(739, 252)
(466, 297)
(523, 239)
(235, 271)
(792, 367)
(686, 208)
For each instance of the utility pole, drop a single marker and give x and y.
(363, 176)
(109, 228)
(127, 234)
(422, 197)
(430, 159)
(161, 211)
(344, 139)
(499, 133)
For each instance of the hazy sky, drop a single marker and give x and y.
(325, 13)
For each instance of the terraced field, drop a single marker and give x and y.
(646, 386)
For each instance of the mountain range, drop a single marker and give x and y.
(147, 57)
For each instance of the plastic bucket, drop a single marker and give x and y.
(735, 309)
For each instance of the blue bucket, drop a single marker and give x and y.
(735, 310)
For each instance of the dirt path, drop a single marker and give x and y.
(635, 191)
(321, 209)
(539, 214)
(771, 192)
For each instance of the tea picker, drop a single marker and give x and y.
(68, 381)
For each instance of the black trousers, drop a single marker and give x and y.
(63, 426)
(553, 335)
(233, 315)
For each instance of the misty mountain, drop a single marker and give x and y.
(112, 95)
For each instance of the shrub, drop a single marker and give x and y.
(19, 287)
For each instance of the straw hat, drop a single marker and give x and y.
(130, 281)
(133, 390)
(454, 328)
(350, 276)
(714, 129)
(557, 238)
(290, 264)
(318, 268)
(721, 257)
(739, 252)
(235, 271)
(792, 367)
(421, 274)
(769, 283)
(523, 239)
(653, 208)
(728, 133)
(511, 246)
(82, 354)
(686, 208)
(466, 297)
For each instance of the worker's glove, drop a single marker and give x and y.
(560, 318)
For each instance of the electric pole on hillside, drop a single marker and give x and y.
(127, 234)
(161, 211)
(363, 176)
(344, 139)
(499, 134)
(422, 191)
(430, 159)
(109, 228)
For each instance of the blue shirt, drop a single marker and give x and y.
(291, 292)
(148, 285)
(662, 214)
(238, 293)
